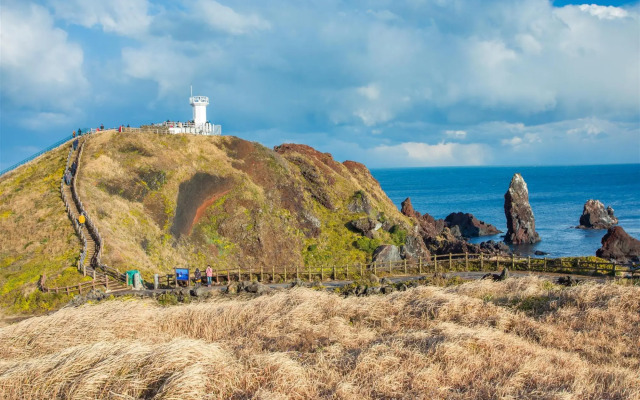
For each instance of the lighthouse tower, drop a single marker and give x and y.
(199, 125)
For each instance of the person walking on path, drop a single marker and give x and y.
(67, 177)
(75, 144)
(198, 276)
(209, 273)
(79, 131)
(74, 134)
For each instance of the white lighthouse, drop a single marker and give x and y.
(199, 125)
(199, 104)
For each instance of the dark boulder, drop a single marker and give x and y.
(414, 249)
(386, 253)
(619, 246)
(470, 226)
(493, 247)
(495, 277)
(521, 225)
(595, 216)
(366, 226)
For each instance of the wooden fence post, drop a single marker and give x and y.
(273, 272)
(435, 263)
(346, 273)
(497, 263)
(297, 274)
(361, 270)
(420, 265)
(228, 275)
(466, 261)
(375, 269)
(545, 263)
(261, 273)
(405, 266)
(106, 282)
(250, 272)
(481, 262)
(309, 272)
(321, 273)
(334, 272)
(239, 278)
(80, 288)
(513, 261)
(390, 271)
(217, 281)
(67, 290)
(285, 272)
(528, 262)
(450, 262)
(613, 270)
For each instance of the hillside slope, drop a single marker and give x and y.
(36, 235)
(162, 201)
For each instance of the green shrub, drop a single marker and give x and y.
(398, 235)
(367, 245)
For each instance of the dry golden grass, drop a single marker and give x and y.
(461, 342)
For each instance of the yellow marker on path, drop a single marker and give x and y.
(81, 219)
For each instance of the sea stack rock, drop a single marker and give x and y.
(469, 225)
(521, 225)
(618, 245)
(595, 216)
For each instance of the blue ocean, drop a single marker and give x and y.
(557, 195)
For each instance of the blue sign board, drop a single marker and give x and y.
(182, 274)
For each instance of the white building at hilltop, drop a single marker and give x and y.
(199, 124)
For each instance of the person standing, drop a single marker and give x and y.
(74, 134)
(198, 276)
(209, 273)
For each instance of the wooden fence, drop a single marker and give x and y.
(437, 264)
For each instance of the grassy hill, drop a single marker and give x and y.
(36, 235)
(162, 201)
(521, 338)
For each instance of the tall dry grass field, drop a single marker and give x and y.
(522, 338)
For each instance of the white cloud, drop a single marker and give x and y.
(123, 17)
(40, 68)
(604, 12)
(459, 134)
(424, 154)
(514, 141)
(223, 18)
(370, 92)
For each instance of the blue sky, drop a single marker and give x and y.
(386, 83)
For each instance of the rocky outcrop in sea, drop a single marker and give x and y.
(521, 225)
(469, 226)
(595, 216)
(619, 246)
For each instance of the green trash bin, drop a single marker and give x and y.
(130, 275)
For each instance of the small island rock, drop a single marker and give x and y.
(521, 225)
(618, 245)
(595, 216)
(469, 225)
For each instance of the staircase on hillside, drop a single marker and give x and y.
(89, 265)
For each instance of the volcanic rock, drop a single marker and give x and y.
(493, 247)
(386, 253)
(469, 225)
(366, 226)
(360, 203)
(619, 246)
(521, 225)
(595, 216)
(414, 249)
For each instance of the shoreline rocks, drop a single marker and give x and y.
(618, 245)
(469, 226)
(521, 225)
(595, 216)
